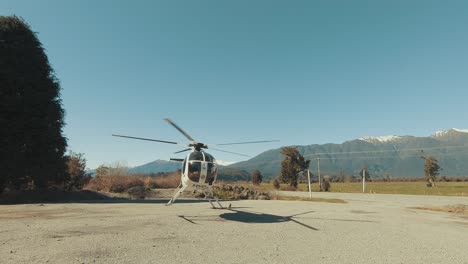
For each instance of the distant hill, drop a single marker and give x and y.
(399, 156)
(156, 167)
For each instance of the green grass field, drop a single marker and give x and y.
(419, 188)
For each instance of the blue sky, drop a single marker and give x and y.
(303, 72)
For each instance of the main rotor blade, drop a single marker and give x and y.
(249, 142)
(230, 152)
(183, 150)
(180, 129)
(149, 139)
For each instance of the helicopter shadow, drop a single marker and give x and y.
(145, 201)
(261, 218)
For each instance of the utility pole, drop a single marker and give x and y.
(318, 172)
(364, 180)
(310, 188)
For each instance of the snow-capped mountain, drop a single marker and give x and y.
(450, 131)
(399, 156)
(380, 139)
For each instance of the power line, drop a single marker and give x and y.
(381, 151)
(382, 157)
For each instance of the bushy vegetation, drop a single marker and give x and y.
(76, 169)
(121, 183)
(240, 193)
(276, 184)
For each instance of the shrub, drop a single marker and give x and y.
(239, 192)
(138, 192)
(170, 181)
(326, 185)
(276, 184)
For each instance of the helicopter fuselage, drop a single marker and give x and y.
(199, 171)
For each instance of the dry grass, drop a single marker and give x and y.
(313, 199)
(118, 184)
(443, 188)
(457, 209)
(288, 188)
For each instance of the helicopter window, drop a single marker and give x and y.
(209, 158)
(194, 170)
(196, 155)
(211, 173)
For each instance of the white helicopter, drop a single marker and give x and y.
(199, 169)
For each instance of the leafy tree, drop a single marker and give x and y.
(292, 165)
(431, 169)
(76, 166)
(257, 177)
(31, 114)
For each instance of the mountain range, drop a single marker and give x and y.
(397, 156)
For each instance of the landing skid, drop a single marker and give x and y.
(211, 198)
(208, 196)
(181, 189)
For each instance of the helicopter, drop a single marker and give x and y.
(199, 169)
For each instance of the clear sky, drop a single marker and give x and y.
(303, 72)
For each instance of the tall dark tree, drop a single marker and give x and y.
(292, 165)
(257, 177)
(31, 114)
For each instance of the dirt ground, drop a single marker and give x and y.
(369, 228)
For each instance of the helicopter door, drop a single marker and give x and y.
(194, 170)
(204, 168)
(211, 173)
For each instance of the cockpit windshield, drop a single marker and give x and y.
(201, 167)
(197, 155)
(194, 170)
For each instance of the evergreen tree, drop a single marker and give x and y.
(292, 165)
(31, 114)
